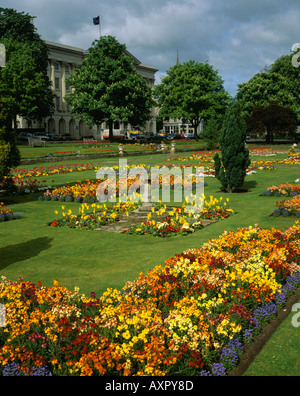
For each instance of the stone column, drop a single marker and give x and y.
(63, 87)
(52, 74)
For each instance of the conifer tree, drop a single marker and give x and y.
(230, 169)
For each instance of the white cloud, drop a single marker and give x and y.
(238, 37)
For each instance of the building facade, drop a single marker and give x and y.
(177, 126)
(63, 60)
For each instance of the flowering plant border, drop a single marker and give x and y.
(191, 316)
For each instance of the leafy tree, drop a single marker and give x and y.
(285, 68)
(272, 119)
(9, 152)
(24, 81)
(230, 169)
(192, 91)
(23, 85)
(262, 88)
(106, 87)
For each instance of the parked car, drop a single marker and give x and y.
(41, 135)
(53, 136)
(157, 138)
(23, 136)
(172, 136)
(66, 136)
(189, 135)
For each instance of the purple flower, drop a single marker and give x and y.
(248, 335)
(264, 313)
(218, 369)
(205, 373)
(13, 370)
(267, 192)
(276, 212)
(229, 358)
(285, 212)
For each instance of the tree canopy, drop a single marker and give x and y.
(272, 119)
(106, 87)
(265, 87)
(23, 81)
(192, 91)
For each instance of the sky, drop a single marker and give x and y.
(237, 37)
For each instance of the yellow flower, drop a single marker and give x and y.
(126, 335)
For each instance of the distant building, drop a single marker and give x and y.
(62, 61)
(177, 126)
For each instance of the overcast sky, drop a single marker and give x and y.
(237, 37)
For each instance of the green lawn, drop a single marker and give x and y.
(94, 261)
(61, 149)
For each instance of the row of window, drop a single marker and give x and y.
(57, 67)
(57, 84)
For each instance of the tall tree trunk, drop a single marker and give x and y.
(15, 126)
(111, 130)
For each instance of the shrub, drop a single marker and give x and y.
(231, 168)
(9, 153)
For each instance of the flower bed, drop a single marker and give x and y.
(7, 214)
(288, 207)
(164, 222)
(21, 185)
(54, 169)
(285, 189)
(87, 191)
(101, 215)
(191, 316)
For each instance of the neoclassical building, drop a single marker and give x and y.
(62, 61)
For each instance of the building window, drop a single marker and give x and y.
(56, 83)
(57, 104)
(68, 88)
(56, 66)
(67, 68)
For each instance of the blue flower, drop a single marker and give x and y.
(264, 313)
(218, 369)
(248, 335)
(285, 212)
(267, 192)
(229, 358)
(13, 370)
(276, 212)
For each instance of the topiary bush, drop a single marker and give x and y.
(230, 168)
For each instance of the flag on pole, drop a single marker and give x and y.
(96, 21)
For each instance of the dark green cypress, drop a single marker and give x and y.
(230, 168)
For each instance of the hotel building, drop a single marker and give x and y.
(62, 62)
